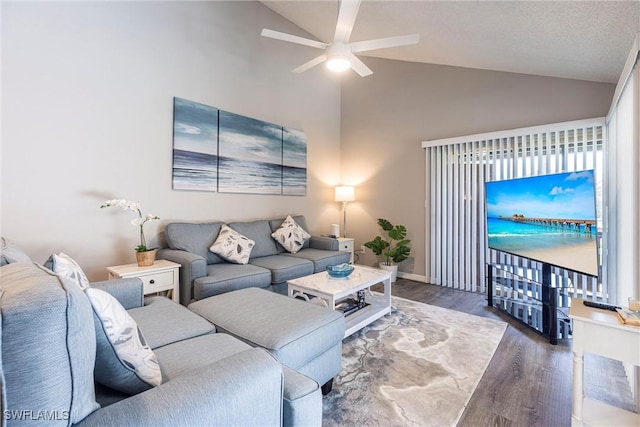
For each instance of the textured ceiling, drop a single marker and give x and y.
(585, 40)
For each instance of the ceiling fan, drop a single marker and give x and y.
(340, 53)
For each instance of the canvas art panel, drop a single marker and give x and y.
(294, 162)
(250, 155)
(195, 146)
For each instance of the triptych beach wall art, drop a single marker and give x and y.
(215, 150)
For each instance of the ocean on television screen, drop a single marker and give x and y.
(499, 227)
(516, 243)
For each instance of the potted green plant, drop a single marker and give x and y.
(393, 249)
(144, 255)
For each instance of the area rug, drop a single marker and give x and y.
(417, 366)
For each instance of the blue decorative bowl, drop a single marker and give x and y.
(340, 271)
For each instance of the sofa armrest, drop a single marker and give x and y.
(244, 389)
(193, 267)
(326, 243)
(128, 292)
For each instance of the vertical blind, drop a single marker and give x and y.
(457, 168)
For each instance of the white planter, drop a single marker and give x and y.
(393, 269)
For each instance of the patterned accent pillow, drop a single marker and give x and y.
(124, 361)
(290, 235)
(11, 253)
(232, 246)
(67, 267)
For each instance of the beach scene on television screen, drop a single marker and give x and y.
(548, 218)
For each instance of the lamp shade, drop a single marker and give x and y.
(345, 193)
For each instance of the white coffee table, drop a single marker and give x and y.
(329, 291)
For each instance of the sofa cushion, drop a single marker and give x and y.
(48, 344)
(232, 246)
(295, 332)
(259, 232)
(124, 361)
(181, 357)
(227, 277)
(164, 322)
(321, 258)
(67, 267)
(11, 253)
(284, 268)
(290, 235)
(194, 238)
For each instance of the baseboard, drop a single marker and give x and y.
(411, 276)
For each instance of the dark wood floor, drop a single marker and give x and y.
(527, 383)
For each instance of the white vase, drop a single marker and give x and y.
(393, 269)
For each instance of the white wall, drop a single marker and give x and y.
(87, 93)
(386, 116)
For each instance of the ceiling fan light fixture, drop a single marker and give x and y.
(339, 55)
(338, 63)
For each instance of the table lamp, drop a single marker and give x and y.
(345, 194)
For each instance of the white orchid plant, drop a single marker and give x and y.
(139, 221)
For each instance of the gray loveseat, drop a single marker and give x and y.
(204, 274)
(47, 354)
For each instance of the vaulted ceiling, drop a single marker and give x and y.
(585, 40)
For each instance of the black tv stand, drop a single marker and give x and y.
(536, 297)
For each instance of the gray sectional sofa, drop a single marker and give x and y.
(48, 354)
(204, 274)
(242, 373)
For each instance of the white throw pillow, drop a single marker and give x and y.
(124, 361)
(232, 246)
(290, 235)
(67, 267)
(11, 253)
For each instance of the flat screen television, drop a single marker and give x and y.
(547, 218)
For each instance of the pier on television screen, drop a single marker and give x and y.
(547, 218)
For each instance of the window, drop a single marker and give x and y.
(456, 171)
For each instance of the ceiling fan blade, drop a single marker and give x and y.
(292, 39)
(384, 43)
(307, 65)
(359, 66)
(346, 19)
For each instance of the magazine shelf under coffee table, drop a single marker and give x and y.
(321, 289)
(375, 309)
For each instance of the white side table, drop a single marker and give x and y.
(346, 244)
(162, 276)
(600, 332)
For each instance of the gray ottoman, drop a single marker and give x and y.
(302, 336)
